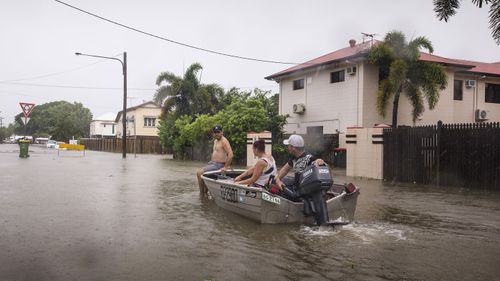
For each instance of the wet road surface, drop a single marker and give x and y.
(101, 217)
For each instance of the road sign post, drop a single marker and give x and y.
(24, 144)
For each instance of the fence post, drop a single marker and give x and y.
(438, 152)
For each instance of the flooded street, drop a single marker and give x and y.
(101, 217)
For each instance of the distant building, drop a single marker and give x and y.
(103, 126)
(142, 120)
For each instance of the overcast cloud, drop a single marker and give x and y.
(40, 37)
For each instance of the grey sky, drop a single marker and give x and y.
(40, 37)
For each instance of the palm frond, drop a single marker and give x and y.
(163, 93)
(494, 15)
(397, 73)
(433, 79)
(479, 3)
(446, 8)
(168, 77)
(190, 74)
(385, 92)
(397, 42)
(416, 100)
(169, 105)
(419, 43)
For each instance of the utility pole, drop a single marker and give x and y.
(124, 113)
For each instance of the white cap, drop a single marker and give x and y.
(294, 140)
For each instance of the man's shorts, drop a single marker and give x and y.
(213, 166)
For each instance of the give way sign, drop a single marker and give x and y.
(27, 108)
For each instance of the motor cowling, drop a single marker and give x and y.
(314, 179)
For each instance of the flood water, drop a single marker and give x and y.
(101, 217)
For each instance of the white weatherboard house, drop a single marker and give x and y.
(338, 90)
(103, 126)
(143, 120)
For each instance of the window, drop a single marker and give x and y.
(298, 84)
(314, 130)
(492, 93)
(458, 89)
(149, 121)
(337, 76)
(112, 129)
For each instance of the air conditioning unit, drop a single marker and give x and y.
(351, 70)
(470, 83)
(481, 114)
(299, 108)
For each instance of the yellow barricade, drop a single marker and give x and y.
(72, 146)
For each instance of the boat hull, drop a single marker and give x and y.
(262, 206)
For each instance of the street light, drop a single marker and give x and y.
(124, 66)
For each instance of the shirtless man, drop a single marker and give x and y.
(222, 156)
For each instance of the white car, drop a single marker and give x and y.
(51, 144)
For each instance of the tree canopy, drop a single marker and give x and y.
(245, 112)
(191, 109)
(446, 8)
(401, 71)
(187, 95)
(60, 119)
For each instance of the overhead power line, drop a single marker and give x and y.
(176, 42)
(74, 87)
(51, 74)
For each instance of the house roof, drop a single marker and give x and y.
(357, 50)
(445, 61)
(485, 68)
(136, 107)
(106, 117)
(472, 67)
(361, 50)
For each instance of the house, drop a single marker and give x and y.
(142, 120)
(103, 126)
(338, 90)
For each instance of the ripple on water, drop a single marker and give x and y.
(362, 232)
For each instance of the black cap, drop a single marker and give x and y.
(217, 129)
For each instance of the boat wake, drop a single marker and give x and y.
(366, 233)
(372, 232)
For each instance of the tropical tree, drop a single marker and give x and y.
(242, 112)
(402, 72)
(446, 8)
(186, 95)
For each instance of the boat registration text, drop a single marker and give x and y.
(269, 198)
(229, 194)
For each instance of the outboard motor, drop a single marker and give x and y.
(314, 181)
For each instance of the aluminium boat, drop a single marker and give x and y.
(336, 201)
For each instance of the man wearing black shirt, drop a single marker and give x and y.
(298, 162)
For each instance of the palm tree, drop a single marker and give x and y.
(446, 8)
(178, 93)
(186, 95)
(402, 72)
